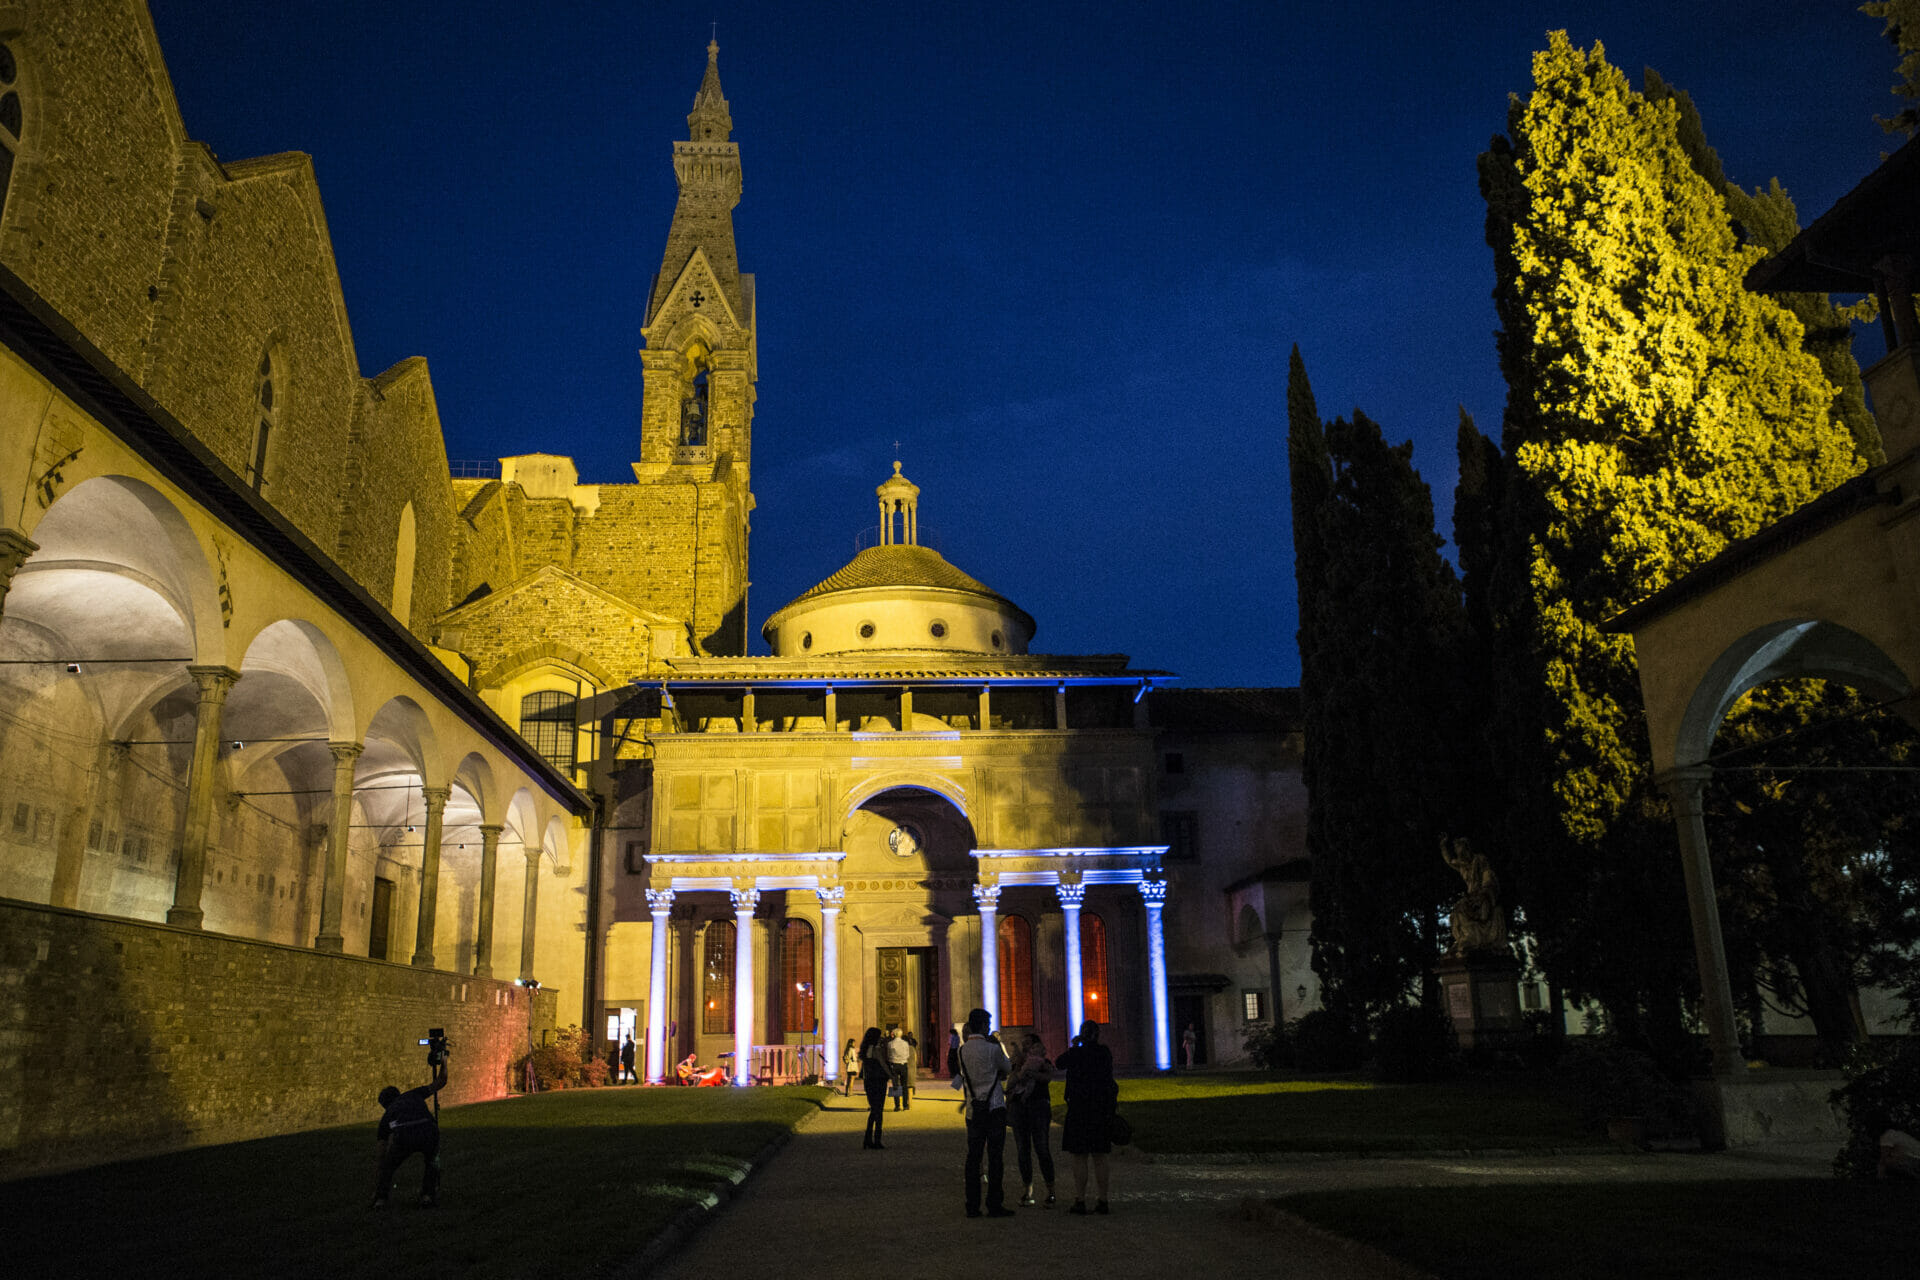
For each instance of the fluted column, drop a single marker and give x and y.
(435, 799)
(1154, 894)
(987, 897)
(529, 910)
(831, 900)
(489, 869)
(1071, 896)
(333, 890)
(1684, 787)
(213, 684)
(659, 905)
(744, 902)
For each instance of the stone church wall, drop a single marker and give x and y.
(128, 1038)
(398, 457)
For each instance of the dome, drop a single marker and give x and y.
(898, 595)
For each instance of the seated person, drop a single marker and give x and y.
(688, 1069)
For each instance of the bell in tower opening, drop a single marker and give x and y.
(693, 414)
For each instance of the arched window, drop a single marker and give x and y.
(1016, 972)
(1095, 997)
(717, 980)
(546, 722)
(11, 120)
(403, 548)
(796, 976)
(265, 416)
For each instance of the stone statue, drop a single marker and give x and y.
(1477, 921)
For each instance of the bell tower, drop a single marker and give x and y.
(699, 362)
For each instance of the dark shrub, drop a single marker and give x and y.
(1882, 1092)
(565, 1063)
(1413, 1043)
(1269, 1046)
(1605, 1080)
(1325, 1041)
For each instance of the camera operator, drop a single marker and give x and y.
(408, 1126)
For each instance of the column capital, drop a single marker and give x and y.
(744, 900)
(659, 901)
(1154, 892)
(492, 830)
(987, 897)
(1683, 786)
(15, 547)
(213, 682)
(832, 899)
(1071, 895)
(345, 753)
(436, 797)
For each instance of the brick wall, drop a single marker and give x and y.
(119, 1038)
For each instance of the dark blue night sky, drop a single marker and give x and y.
(1058, 251)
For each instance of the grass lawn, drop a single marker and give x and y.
(562, 1183)
(1251, 1111)
(1812, 1229)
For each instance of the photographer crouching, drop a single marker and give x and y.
(407, 1126)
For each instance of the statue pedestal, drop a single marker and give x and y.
(1483, 1000)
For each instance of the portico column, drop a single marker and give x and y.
(333, 891)
(1154, 894)
(831, 900)
(529, 911)
(744, 902)
(988, 898)
(659, 904)
(1071, 896)
(436, 804)
(213, 684)
(489, 870)
(15, 547)
(1684, 787)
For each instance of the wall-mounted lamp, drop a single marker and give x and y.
(238, 745)
(73, 668)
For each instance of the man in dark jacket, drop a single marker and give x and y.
(407, 1126)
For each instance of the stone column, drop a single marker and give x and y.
(986, 707)
(214, 684)
(1154, 894)
(1071, 896)
(1060, 716)
(659, 905)
(830, 713)
(906, 708)
(987, 896)
(15, 547)
(333, 891)
(831, 900)
(749, 713)
(529, 910)
(435, 799)
(744, 902)
(1684, 787)
(489, 868)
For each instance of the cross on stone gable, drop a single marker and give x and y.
(697, 298)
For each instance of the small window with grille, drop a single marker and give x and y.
(546, 722)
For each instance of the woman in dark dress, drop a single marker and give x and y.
(1090, 1095)
(874, 1078)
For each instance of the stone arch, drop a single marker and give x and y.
(400, 738)
(545, 654)
(1781, 650)
(554, 843)
(299, 652)
(474, 776)
(946, 788)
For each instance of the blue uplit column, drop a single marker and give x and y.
(1071, 896)
(660, 904)
(988, 898)
(831, 900)
(1154, 894)
(744, 902)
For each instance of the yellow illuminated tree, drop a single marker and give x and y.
(1656, 412)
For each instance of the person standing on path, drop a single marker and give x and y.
(899, 1053)
(874, 1078)
(626, 1063)
(849, 1068)
(1188, 1040)
(983, 1072)
(1030, 1114)
(1090, 1094)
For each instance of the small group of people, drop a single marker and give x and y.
(1003, 1090)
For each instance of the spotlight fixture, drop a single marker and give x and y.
(239, 745)
(73, 668)
(531, 984)
(409, 828)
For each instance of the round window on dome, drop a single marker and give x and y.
(866, 631)
(806, 639)
(999, 641)
(939, 630)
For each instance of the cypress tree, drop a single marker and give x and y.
(1656, 411)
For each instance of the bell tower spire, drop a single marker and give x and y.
(699, 363)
